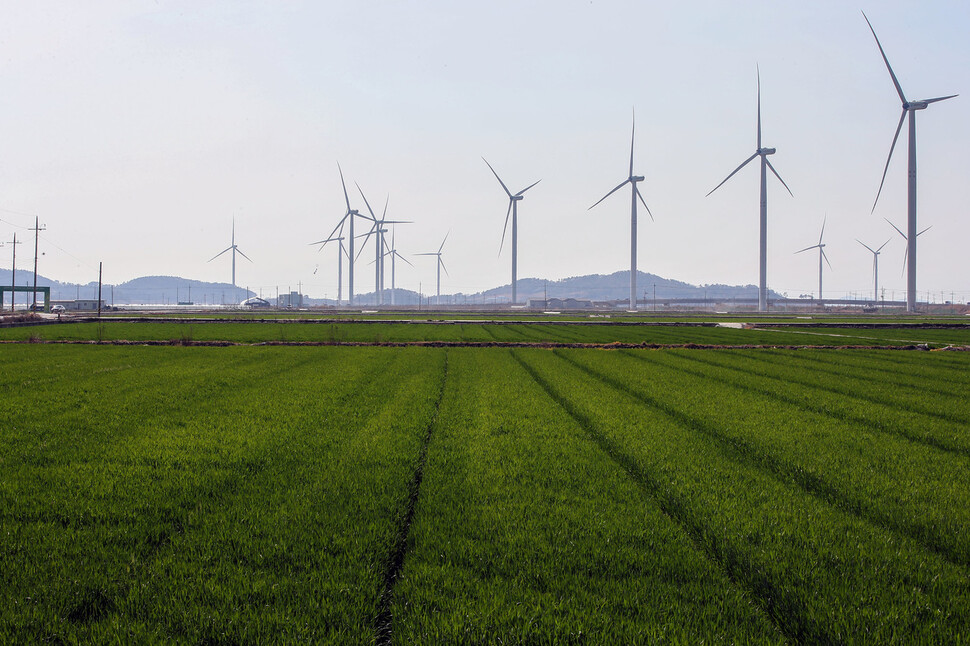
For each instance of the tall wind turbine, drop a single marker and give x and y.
(348, 217)
(875, 267)
(377, 229)
(909, 107)
(514, 212)
(762, 152)
(441, 265)
(821, 255)
(634, 194)
(234, 249)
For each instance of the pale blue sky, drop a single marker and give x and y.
(137, 130)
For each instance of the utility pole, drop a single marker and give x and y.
(37, 229)
(13, 274)
(99, 289)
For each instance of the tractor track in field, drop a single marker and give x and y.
(384, 621)
(551, 345)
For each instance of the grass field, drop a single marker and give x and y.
(304, 330)
(481, 495)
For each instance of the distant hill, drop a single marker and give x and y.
(594, 287)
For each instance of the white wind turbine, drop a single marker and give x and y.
(634, 194)
(348, 217)
(514, 212)
(234, 249)
(906, 253)
(377, 229)
(441, 265)
(394, 254)
(910, 108)
(762, 152)
(341, 252)
(821, 255)
(875, 267)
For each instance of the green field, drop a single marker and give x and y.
(312, 331)
(481, 495)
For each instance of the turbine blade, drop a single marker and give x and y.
(825, 257)
(899, 90)
(243, 255)
(743, 164)
(442, 263)
(610, 193)
(403, 258)
(940, 98)
(643, 202)
(219, 254)
(505, 227)
(633, 133)
(497, 177)
(814, 246)
(759, 107)
(772, 168)
(372, 216)
(344, 185)
(924, 231)
(883, 245)
(905, 257)
(443, 241)
(340, 226)
(867, 246)
(528, 187)
(384, 214)
(888, 159)
(895, 227)
(822, 232)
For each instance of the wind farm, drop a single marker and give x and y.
(623, 434)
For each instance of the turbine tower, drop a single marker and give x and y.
(377, 229)
(634, 194)
(348, 216)
(762, 152)
(234, 249)
(441, 265)
(910, 108)
(875, 267)
(514, 212)
(821, 255)
(341, 252)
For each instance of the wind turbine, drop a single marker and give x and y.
(377, 229)
(394, 254)
(514, 212)
(441, 265)
(906, 253)
(875, 267)
(234, 249)
(909, 107)
(762, 152)
(821, 255)
(349, 215)
(341, 252)
(634, 194)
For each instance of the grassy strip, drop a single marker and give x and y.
(825, 576)
(526, 532)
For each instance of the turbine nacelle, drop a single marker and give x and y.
(516, 198)
(915, 105)
(637, 178)
(766, 151)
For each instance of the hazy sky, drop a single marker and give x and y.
(136, 131)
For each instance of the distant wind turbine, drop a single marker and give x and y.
(909, 107)
(514, 212)
(634, 194)
(765, 165)
(348, 217)
(394, 254)
(906, 253)
(875, 267)
(821, 255)
(341, 252)
(441, 265)
(234, 249)
(377, 229)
